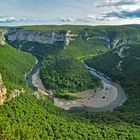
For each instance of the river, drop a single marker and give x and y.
(91, 102)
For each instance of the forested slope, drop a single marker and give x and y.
(26, 117)
(125, 69)
(14, 65)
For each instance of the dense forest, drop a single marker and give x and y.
(27, 117)
(128, 75)
(66, 75)
(14, 66)
(80, 48)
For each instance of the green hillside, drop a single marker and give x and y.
(128, 74)
(26, 117)
(66, 74)
(81, 48)
(14, 64)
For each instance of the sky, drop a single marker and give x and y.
(88, 12)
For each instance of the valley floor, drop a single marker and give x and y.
(92, 99)
(103, 99)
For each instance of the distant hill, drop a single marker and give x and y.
(77, 41)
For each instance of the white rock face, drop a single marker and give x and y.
(115, 42)
(40, 37)
(35, 36)
(120, 52)
(52, 37)
(70, 37)
(119, 66)
(137, 58)
(2, 39)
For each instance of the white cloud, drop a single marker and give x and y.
(92, 17)
(71, 12)
(130, 7)
(117, 3)
(66, 20)
(5, 19)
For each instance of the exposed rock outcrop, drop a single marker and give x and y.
(35, 36)
(112, 38)
(2, 39)
(16, 93)
(47, 37)
(70, 37)
(3, 92)
(120, 51)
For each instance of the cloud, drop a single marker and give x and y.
(109, 3)
(124, 14)
(71, 12)
(66, 20)
(5, 19)
(89, 18)
(116, 10)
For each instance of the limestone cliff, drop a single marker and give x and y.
(2, 39)
(3, 92)
(47, 37)
(69, 37)
(112, 38)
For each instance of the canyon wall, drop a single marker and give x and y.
(47, 37)
(111, 38)
(2, 39)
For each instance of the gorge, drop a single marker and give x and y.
(109, 110)
(19, 36)
(114, 94)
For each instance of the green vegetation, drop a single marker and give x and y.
(81, 28)
(66, 74)
(14, 64)
(55, 28)
(128, 76)
(81, 48)
(26, 118)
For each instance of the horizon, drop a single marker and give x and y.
(74, 12)
(29, 25)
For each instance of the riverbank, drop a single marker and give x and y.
(101, 100)
(106, 98)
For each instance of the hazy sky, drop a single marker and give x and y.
(91, 12)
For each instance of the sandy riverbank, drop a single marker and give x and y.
(103, 99)
(90, 98)
(37, 81)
